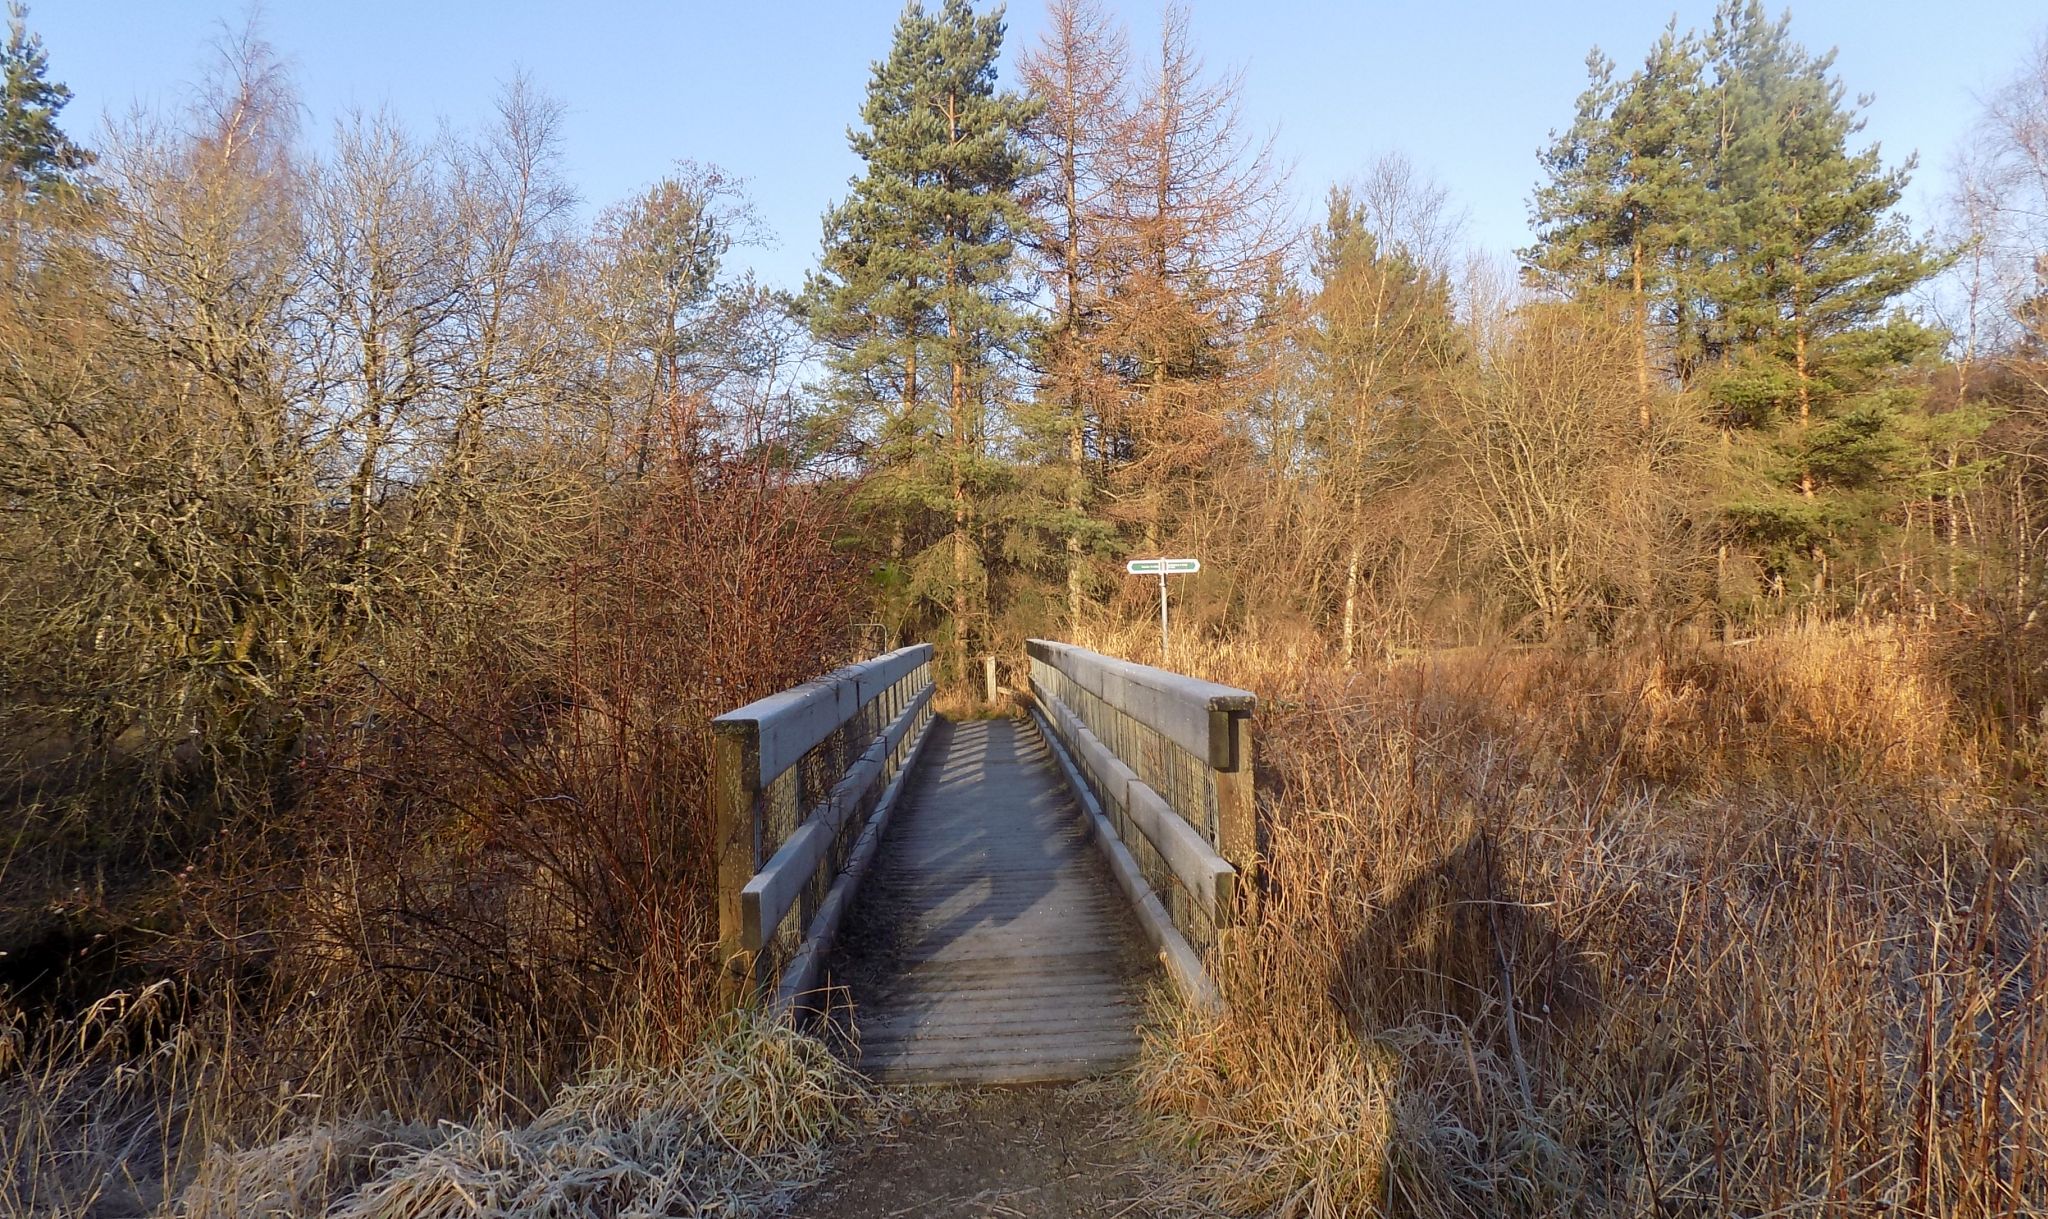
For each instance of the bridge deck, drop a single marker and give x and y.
(991, 944)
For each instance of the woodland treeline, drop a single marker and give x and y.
(1073, 322)
(266, 392)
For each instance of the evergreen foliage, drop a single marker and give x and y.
(1764, 260)
(35, 154)
(916, 297)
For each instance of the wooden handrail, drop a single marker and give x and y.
(1180, 794)
(1207, 721)
(1194, 714)
(767, 897)
(873, 714)
(786, 726)
(1209, 877)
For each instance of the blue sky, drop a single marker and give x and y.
(1468, 91)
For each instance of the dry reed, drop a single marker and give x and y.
(1670, 931)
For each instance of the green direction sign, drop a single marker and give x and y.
(1163, 567)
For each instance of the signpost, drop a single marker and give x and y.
(1163, 568)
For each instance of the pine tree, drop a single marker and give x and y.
(916, 297)
(1717, 189)
(36, 154)
(1624, 200)
(1814, 256)
(1812, 260)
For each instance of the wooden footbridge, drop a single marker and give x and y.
(985, 901)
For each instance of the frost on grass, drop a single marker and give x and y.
(733, 1131)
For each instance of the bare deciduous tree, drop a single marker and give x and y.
(1560, 487)
(1382, 340)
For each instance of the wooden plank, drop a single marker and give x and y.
(999, 1075)
(1174, 705)
(989, 944)
(1087, 966)
(1048, 953)
(767, 896)
(1051, 1043)
(964, 998)
(1106, 1049)
(1209, 878)
(789, 724)
(974, 1009)
(1068, 1031)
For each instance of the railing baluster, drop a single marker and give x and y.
(736, 829)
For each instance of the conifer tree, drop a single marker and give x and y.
(916, 296)
(1812, 260)
(1814, 255)
(1624, 201)
(1717, 188)
(35, 154)
(1081, 138)
(1201, 210)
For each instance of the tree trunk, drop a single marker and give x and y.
(1350, 629)
(1954, 523)
(1799, 367)
(1076, 504)
(1642, 329)
(1721, 593)
(1070, 172)
(908, 417)
(963, 600)
(1806, 487)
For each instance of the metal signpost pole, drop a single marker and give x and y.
(1163, 568)
(1164, 660)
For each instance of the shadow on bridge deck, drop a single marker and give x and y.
(990, 944)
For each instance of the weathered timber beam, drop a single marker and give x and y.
(1198, 716)
(788, 725)
(1183, 963)
(800, 977)
(768, 895)
(1206, 875)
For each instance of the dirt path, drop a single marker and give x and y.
(1048, 1152)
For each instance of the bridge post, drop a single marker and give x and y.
(736, 830)
(1237, 832)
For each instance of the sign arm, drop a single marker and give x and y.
(1163, 567)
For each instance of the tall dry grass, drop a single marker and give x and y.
(734, 1127)
(1672, 931)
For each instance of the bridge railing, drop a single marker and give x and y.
(1167, 761)
(803, 782)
